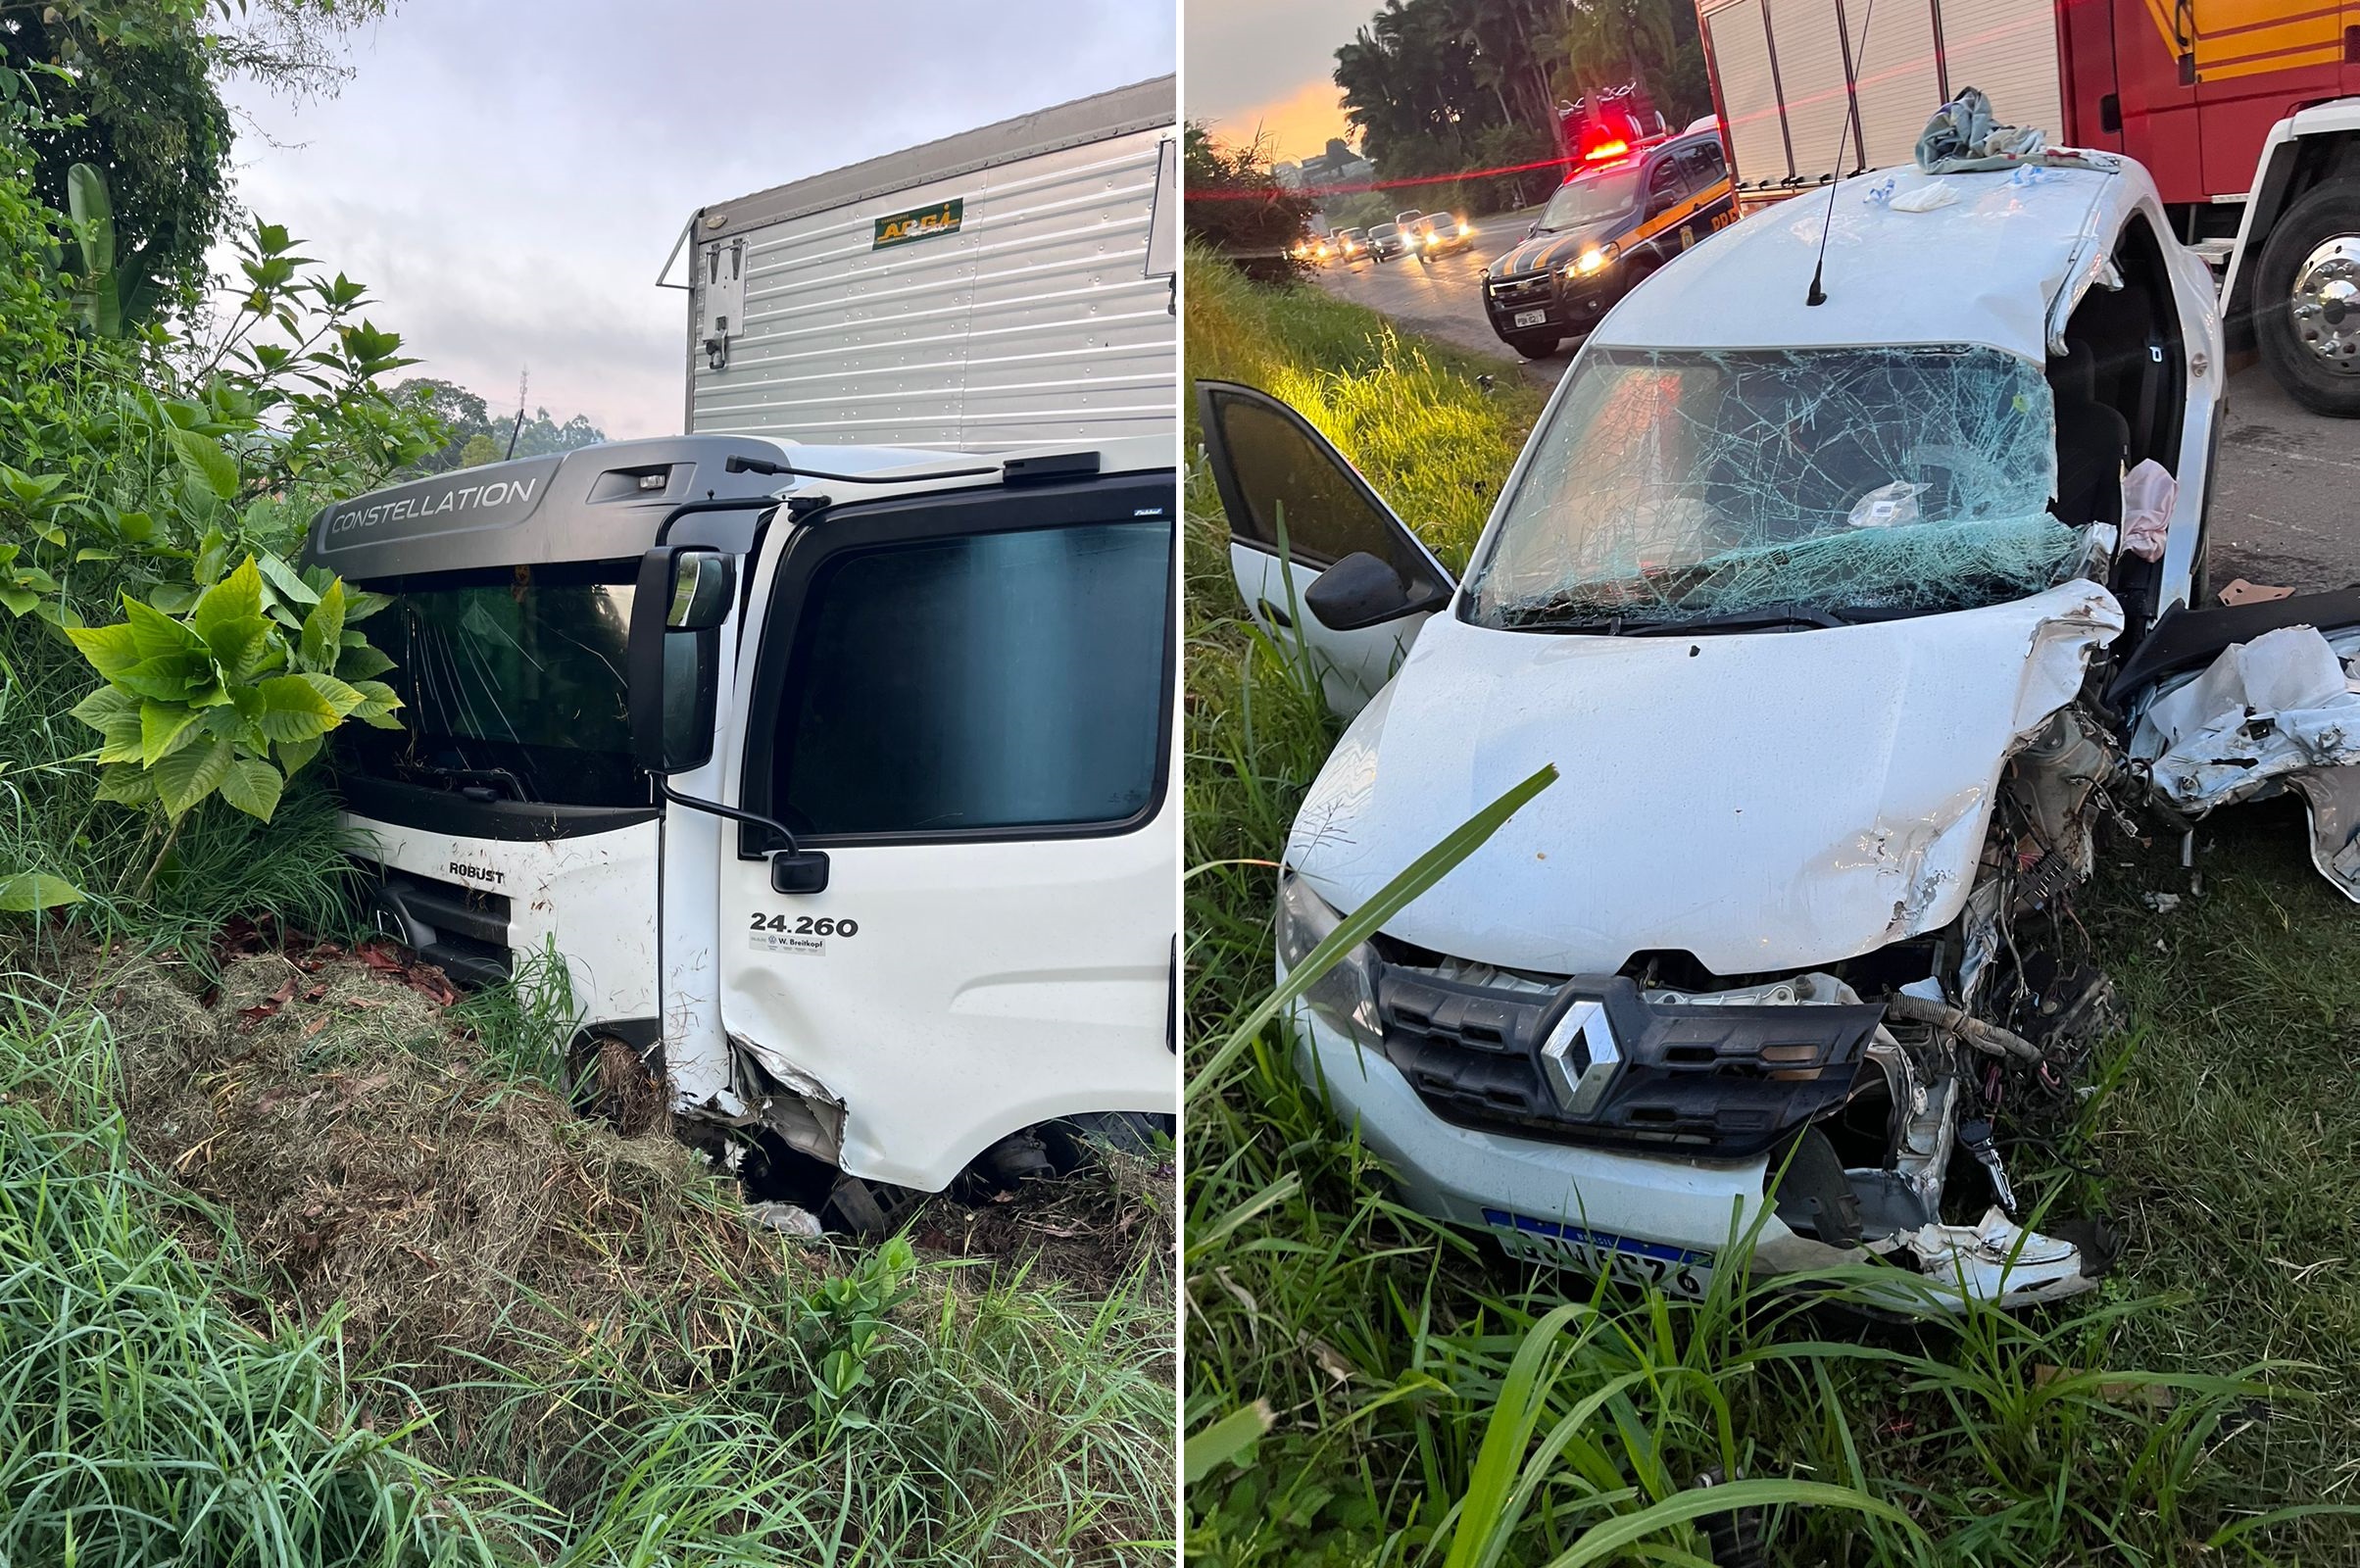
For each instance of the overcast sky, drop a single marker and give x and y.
(1270, 63)
(508, 175)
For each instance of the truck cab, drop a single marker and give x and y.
(840, 779)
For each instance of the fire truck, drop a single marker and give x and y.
(2245, 112)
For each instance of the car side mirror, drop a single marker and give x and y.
(677, 608)
(1356, 592)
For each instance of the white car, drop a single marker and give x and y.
(1832, 620)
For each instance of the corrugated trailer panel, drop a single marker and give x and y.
(1810, 76)
(1897, 86)
(1068, 336)
(1741, 62)
(2009, 49)
(1031, 320)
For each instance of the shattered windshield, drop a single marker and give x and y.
(1672, 485)
(511, 680)
(1589, 199)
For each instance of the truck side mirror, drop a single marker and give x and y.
(682, 597)
(1356, 592)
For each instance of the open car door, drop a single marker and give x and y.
(1321, 563)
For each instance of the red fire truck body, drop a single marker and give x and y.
(2245, 112)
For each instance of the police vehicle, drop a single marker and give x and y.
(1628, 208)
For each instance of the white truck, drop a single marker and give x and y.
(841, 778)
(1008, 287)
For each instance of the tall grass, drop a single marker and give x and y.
(163, 1401)
(1426, 1400)
(149, 1411)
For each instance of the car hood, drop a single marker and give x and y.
(1544, 251)
(1763, 801)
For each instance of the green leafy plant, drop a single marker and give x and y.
(842, 1324)
(235, 696)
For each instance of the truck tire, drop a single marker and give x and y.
(2306, 300)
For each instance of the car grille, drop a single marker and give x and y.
(1718, 1081)
(1523, 292)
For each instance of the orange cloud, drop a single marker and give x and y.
(1298, 126)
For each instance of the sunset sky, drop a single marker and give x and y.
(1254, 63)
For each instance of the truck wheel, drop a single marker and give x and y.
(2306, 297)
(1534, 345)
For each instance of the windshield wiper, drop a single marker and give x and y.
(1737, 620)
(476, 783)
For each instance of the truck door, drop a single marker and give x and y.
(2156, 72)
(965, 701)
(1278, 476)
(2257, 59)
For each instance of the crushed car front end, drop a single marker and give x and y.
(1783, 965)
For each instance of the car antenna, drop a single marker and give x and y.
(525, 379)
(1819, 295)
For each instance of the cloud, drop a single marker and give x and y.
(508, 176)
(1250, 59)
(1298, 126)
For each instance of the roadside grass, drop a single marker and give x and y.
(310, 1274)
(2191, 1410)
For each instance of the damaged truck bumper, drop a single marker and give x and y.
(1675, 1222)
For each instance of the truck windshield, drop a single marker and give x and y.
(1589, 199)
(1671, 486)
(511, 680)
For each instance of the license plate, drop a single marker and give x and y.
(1674, 1270)
(1531, 317)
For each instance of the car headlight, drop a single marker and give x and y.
(1593, 259)
(1344, 998)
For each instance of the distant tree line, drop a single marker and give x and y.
(1450, 86)
(480, 435)
(1439, 87)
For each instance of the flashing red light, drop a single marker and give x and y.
(1600, 152)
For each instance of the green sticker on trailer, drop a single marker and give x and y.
(923, 223)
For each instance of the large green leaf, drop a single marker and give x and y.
(230, 603)
(292, 709)
(106, 705)
(110, 649)
(359, 661)
(164, 728)
(156, 634)
(192, 773)
(170, 679)
(340, 696)
(211, 467)
(127, 784)
(324, 629)
(378, 701)
(28, 891)
(287, 580)
(293, 754)
(253, 787)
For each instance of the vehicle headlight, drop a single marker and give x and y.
(1593, 259)
(1344, 998)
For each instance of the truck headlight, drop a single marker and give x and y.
(1594, 259)
(1344, 998)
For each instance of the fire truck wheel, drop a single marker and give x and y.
(2306, 298)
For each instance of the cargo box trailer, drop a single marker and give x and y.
(1010, 287)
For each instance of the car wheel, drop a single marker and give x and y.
(2306, 294)
(1534, 345)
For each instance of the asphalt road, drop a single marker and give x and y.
(2286, 503)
